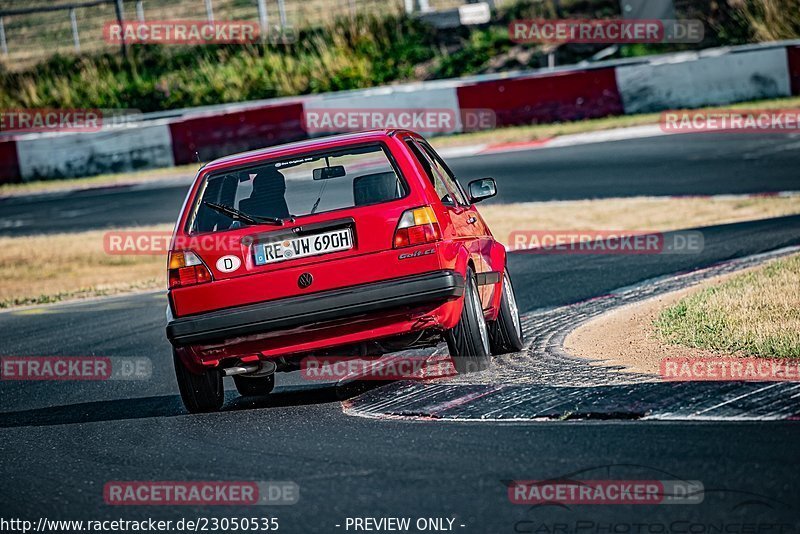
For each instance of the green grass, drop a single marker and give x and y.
(755, 313)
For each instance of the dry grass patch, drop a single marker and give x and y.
(756, 313)
(634, 214)
(50, 268)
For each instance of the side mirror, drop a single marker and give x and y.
(481, 189)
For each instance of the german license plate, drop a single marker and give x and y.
(302, 247)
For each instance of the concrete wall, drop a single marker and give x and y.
(85, 154)
(694, 80)
(562, 96)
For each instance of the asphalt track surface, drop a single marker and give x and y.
(61, 442)
(692, 164)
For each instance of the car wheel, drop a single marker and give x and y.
(468, 341)
(254, 387)
(506, 331)
(200, 393)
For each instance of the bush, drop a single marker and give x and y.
(770, 20)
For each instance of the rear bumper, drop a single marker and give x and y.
(313, 308)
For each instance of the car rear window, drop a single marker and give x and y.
(300, 185)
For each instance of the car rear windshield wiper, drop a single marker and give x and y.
(237, 215)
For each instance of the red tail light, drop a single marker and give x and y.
(187, 269)
(417, 227)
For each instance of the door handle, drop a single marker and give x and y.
(472, 220)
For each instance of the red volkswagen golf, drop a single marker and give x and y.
(353, 245)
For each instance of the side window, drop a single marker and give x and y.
(444, 193)
(446, 174)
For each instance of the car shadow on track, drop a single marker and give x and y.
(171, 405)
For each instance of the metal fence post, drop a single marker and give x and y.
(121, 21)
(3, 44)
(263, 18)
(76, 40)
(210, 11)
(282, 11)
(140, 10)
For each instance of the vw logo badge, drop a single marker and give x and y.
(305, 280)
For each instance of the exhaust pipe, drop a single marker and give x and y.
(253, 370)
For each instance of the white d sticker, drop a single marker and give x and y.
(228, 264)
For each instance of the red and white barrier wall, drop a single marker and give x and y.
(546, 97)
(9, 161)
(684, 80)
(214, 135)
(793, 53)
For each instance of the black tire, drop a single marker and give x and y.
(254, 387)
(200, 393)
(468, 341)
(506, 332)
